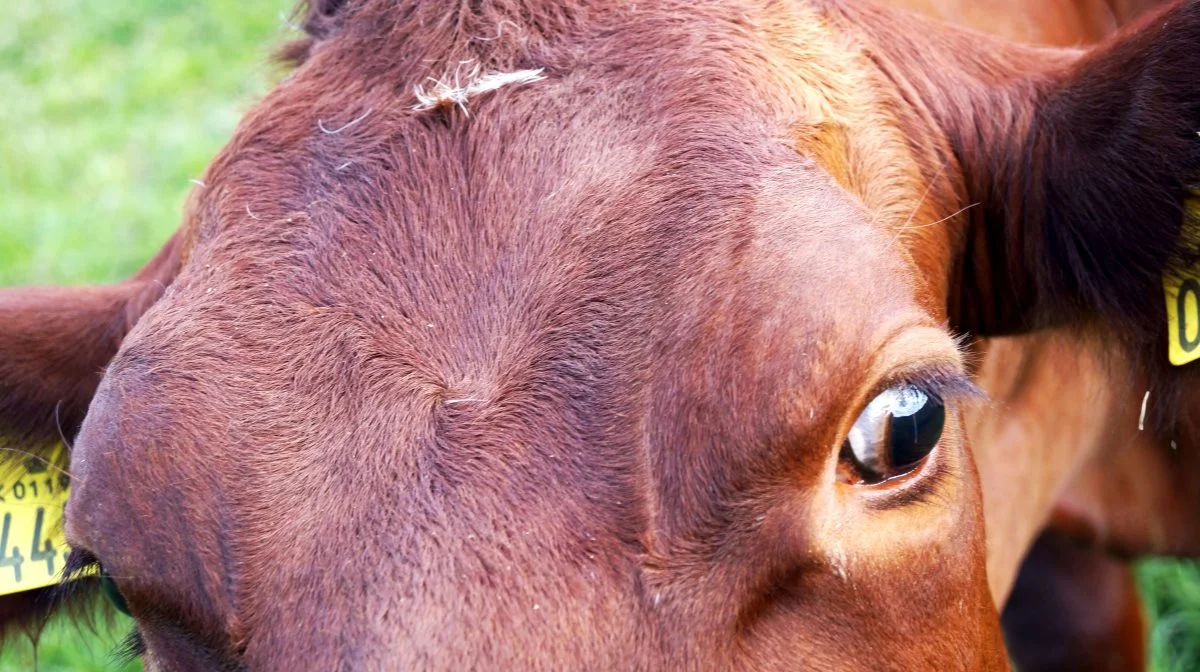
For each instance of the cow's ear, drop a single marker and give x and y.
(1082, 165)
(320, 20)
(55, 344)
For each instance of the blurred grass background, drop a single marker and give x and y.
(109, 109)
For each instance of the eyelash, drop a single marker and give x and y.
(944, 383)
(130, 649)
(79, 561)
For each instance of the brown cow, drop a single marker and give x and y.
(628, 341)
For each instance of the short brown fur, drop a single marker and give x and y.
(556, 377)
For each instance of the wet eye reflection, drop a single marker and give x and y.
(894, 433)
(113, 593)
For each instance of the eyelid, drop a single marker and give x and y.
(941, 380)
(935, 379)
(923, 356)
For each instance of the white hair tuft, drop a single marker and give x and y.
(458, 88)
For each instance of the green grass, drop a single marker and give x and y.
(66, 647)
(108, 109)
(1171, 591)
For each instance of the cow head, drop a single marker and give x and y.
(558, 335)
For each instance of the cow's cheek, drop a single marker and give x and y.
(907, 584)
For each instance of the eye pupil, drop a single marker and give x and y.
(912, 437)
(113, 593)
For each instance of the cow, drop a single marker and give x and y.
(651, 335)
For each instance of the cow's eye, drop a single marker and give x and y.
(113, 593)
(894, 433)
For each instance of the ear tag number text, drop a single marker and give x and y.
(1183, 309)
(33, 494)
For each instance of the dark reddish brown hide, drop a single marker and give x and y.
(559, 377)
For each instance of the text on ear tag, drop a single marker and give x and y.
(1183, 308)
(33, 494)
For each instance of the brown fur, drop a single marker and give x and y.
(1075, 609)
(561, 383)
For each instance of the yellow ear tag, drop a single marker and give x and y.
(33, 494)
(1183, 309)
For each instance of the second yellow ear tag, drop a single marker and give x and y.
(1183, 308)
(33, 493)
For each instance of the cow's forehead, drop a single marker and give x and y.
(479, 254)
(551, 105)
(470, 268)
(635, 147)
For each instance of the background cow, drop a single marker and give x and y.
(571, 290)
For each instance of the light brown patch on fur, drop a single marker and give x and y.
(849, 124)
